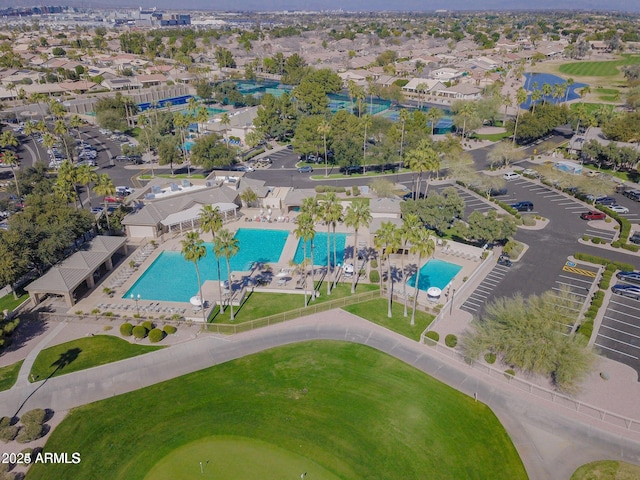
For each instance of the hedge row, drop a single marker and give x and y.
(585, 257)
(329, 188)
(625, 225)
(147, 328)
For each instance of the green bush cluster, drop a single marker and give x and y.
(30, 432)
(451, 340)
(596, 240)
(631, 247)
(490, 358)
(585, 238)
(329, 188)
(37, 415)
(433, 335)
(585, 257)
(356, 190)
(156, 335)
(5, 422)
(625, 225)
(148, 324)
(509, 372)
(374, 276)
(8, 433)
(169, 329)
(253, 153)
(528, 220)
(140, 332)
(126, 329)
(374, 263)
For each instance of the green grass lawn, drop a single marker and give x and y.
(590, 107)
(9, 303)
(260, 305)
(9, 375)
(607, 91)
(84, 353)
(353, 411)
(598, 69)
(221, 454)
(607, 470)
(376, 312)
(493, 137)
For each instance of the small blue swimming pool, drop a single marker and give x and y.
(435, 273)
(320, 248)
(171, 278)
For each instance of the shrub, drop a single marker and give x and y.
(29, 433)
(356, 190)
(595, 240)
(631, 247)
(106, 328)
(148, 325)
(374, 276)
(585, 238)
(126, 329)
(348, 193)
(433, 335)
(37, 415)
(5, 422)
(490, 358)
(139, 331)
(586, 329)
(509, 372)
(374, 263)
(8, 433)
(156, 335)
(169, 329)
(451, 340)
(528, 220)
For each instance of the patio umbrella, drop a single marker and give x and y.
(195, 300)
(348, 268)
(434, 292)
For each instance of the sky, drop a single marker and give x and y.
(352, 5)
(403, 5)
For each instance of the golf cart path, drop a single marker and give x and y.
(551, 440)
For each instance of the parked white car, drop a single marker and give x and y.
(511, 175)
(618, 209)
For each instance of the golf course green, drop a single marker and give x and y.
(337, 409)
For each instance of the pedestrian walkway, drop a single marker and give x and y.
(23, 375)
(552, 440)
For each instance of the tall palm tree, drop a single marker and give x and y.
(421, 88)
(66, 182)
(421, 159)
(106, 188)
(507, 101)
(386, 240)
(145, 123)
(311, 207)
(76, 122)
(181, 122)
(570, 82)
(11, 159)
(85, 175)
(433, 116)
(410, 223)
(193, 250)
(547, 90)
(202, 115)
(466, 112)
(521, 97)
(424, 247)
(535, 96)
(225, 121)
(324, 128)
(404, 117)
(366, 123)
(211, 222)
(358, 215)
(330, 212)
(60, 129)
(351, 89)
(305, 231)
(227, 246)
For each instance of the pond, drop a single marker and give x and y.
(535, 81)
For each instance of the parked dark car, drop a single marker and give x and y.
(496, 192)
(305, 169)
(631, 291)
(635, 238)
(522, 206)
(629, 277)
(410, 196)
(605, 201)
(351, 169)
(504, 260)
(593, 215)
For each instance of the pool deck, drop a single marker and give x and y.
(281, 277)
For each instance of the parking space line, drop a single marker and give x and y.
(623, 304)
(575, 207)
(567, 203)
(558, 199)
(613, 350)
(474, 304)
(568, 284)
(468, 308)
(632, 315)
(577, 279)
(627, 334)
(620, 321)
(619, 341)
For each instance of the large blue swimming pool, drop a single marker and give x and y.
(171, 278)
(320, 248)
(435, 273)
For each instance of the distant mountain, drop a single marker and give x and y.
(354, 5)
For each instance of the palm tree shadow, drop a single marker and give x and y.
(64, 360)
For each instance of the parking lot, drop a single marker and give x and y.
(619, 334)
(576, 279)
(484, 292)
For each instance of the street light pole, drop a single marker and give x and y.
(453, 293)
(137, 299)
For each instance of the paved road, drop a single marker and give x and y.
(551, 444)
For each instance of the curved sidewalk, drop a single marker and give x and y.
(550, 440)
